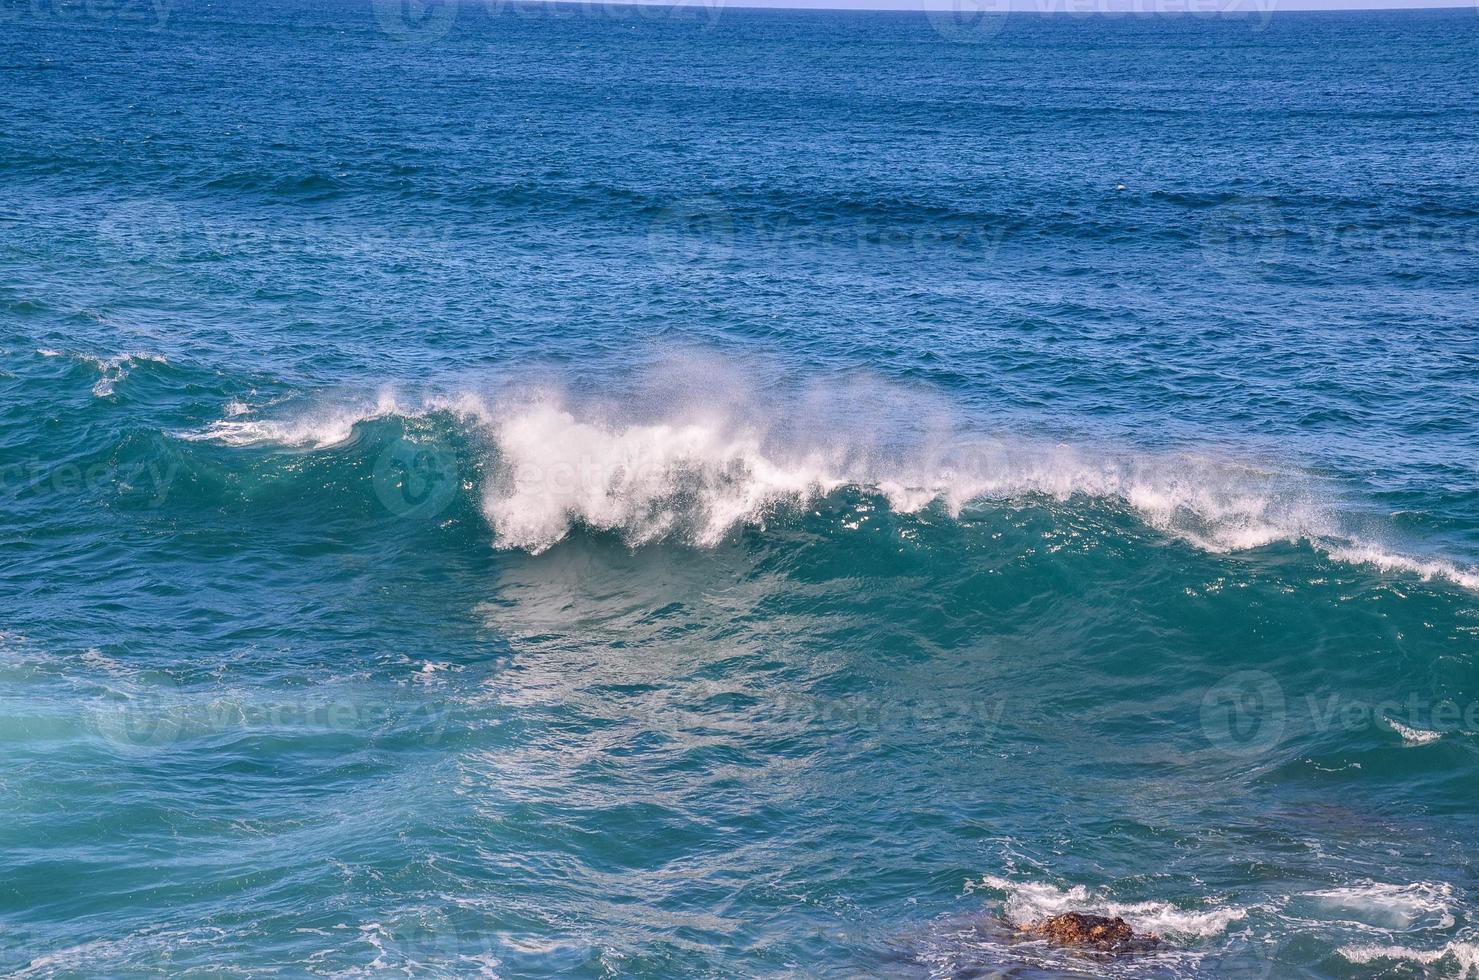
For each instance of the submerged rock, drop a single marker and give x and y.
(1095, 931)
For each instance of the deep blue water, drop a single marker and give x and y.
(605, 491)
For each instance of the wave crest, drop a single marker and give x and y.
(693, 478)
(695, 472)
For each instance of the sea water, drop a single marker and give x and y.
(608, 491)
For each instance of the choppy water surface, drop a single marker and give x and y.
(708, 492)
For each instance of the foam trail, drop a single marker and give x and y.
(1465, 956)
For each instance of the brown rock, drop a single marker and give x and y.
(1095, 931)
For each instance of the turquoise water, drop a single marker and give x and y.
(611, 492)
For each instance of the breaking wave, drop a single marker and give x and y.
(1413, 736)
(695, 469)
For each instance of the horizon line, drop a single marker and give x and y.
(1072, 8)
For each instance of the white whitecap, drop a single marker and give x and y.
(1413, 736)
(1462, 955)
(1384, 905)
(1032, 901)
(320, 429)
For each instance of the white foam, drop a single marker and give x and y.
(1390, 906)
(111, 370)
(94, 657)
(693, 477)
(329, 425)
(322, 429)
(1463, 955)
(1413, 736)
(700, 473)
(1364, 553)
(1029, 902)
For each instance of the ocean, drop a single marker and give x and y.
(494, 489)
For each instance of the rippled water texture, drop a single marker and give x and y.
(601, 491)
